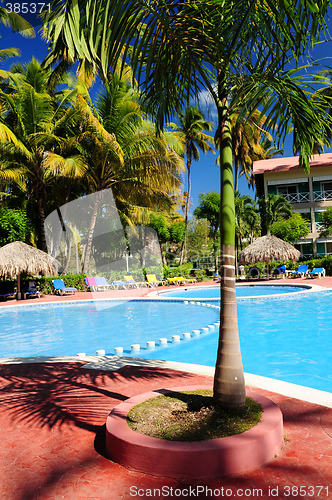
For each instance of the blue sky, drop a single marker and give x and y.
(205, 173)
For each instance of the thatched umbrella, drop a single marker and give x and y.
(267, 248)
(18, 257)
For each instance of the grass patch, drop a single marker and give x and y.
(191, 416)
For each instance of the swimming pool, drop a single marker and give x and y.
(289, 339)
(212, 292)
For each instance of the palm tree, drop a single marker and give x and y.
(37, 136)
(17, 24)
(191, 127)
(272, 208)
(236, 51)
(143, 170)
(246, 218)
(209, 208)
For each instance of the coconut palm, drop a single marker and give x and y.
(37, 139)
(144, 171)
(17, 24)
(191, 127)
(237, 51)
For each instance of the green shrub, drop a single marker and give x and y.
(45, 285)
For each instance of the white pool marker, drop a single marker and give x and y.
(176, 338)
(216, 324)
(186, 302)
(150, 344)
(135, 347)
(211, 327)
(118, 351)
(205, 330)
(163, 341)
(186, 335)
(100, 352)
(81, 354)
(196, 333)
(192, 302)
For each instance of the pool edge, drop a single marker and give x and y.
(113, 363)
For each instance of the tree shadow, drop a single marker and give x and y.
(64, 394)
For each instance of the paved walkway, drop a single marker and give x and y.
(52, 428)
(142, 292)
(52, 435)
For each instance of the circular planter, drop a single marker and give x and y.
(199, 459)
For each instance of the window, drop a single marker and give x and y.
(291, 189)
(328, 247)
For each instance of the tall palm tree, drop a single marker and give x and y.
(37, 136)
(191, 127)
(237, 51)
(144, 170)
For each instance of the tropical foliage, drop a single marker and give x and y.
(291, 229)
(238, 51)
(271, 208)
(192, 127)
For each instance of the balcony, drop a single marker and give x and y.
(323, 195)
(319, 227)
(298, 197)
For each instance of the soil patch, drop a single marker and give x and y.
(191, 416)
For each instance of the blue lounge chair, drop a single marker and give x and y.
(104, 285)
(280, 271)
(61, 288)
(301, 271)
(129, 280)
(317, 272)
(7, 290)
(30, 290)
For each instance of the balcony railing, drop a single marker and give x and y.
(322, 195)
(319, 227)
(297, 197)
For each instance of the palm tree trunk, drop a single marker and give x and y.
(183, 247)
(229, 385)
(236, 174)
(41, 209)
(97, 198)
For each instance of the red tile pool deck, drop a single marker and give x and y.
(52, 428)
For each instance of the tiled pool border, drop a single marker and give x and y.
(114, 363)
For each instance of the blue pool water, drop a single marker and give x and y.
(284, 338)
(212, 292)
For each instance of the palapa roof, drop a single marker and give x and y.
(18, 257)
(268, 248)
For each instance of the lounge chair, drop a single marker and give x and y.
(30, 290)
(317, 271)
(301, 271)
(61, 288)
(91, 283)
(7, 290)
(102, 283)
(129, 280)
(178, 280)
(119, 284)
(280, 271)
(152, 281)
